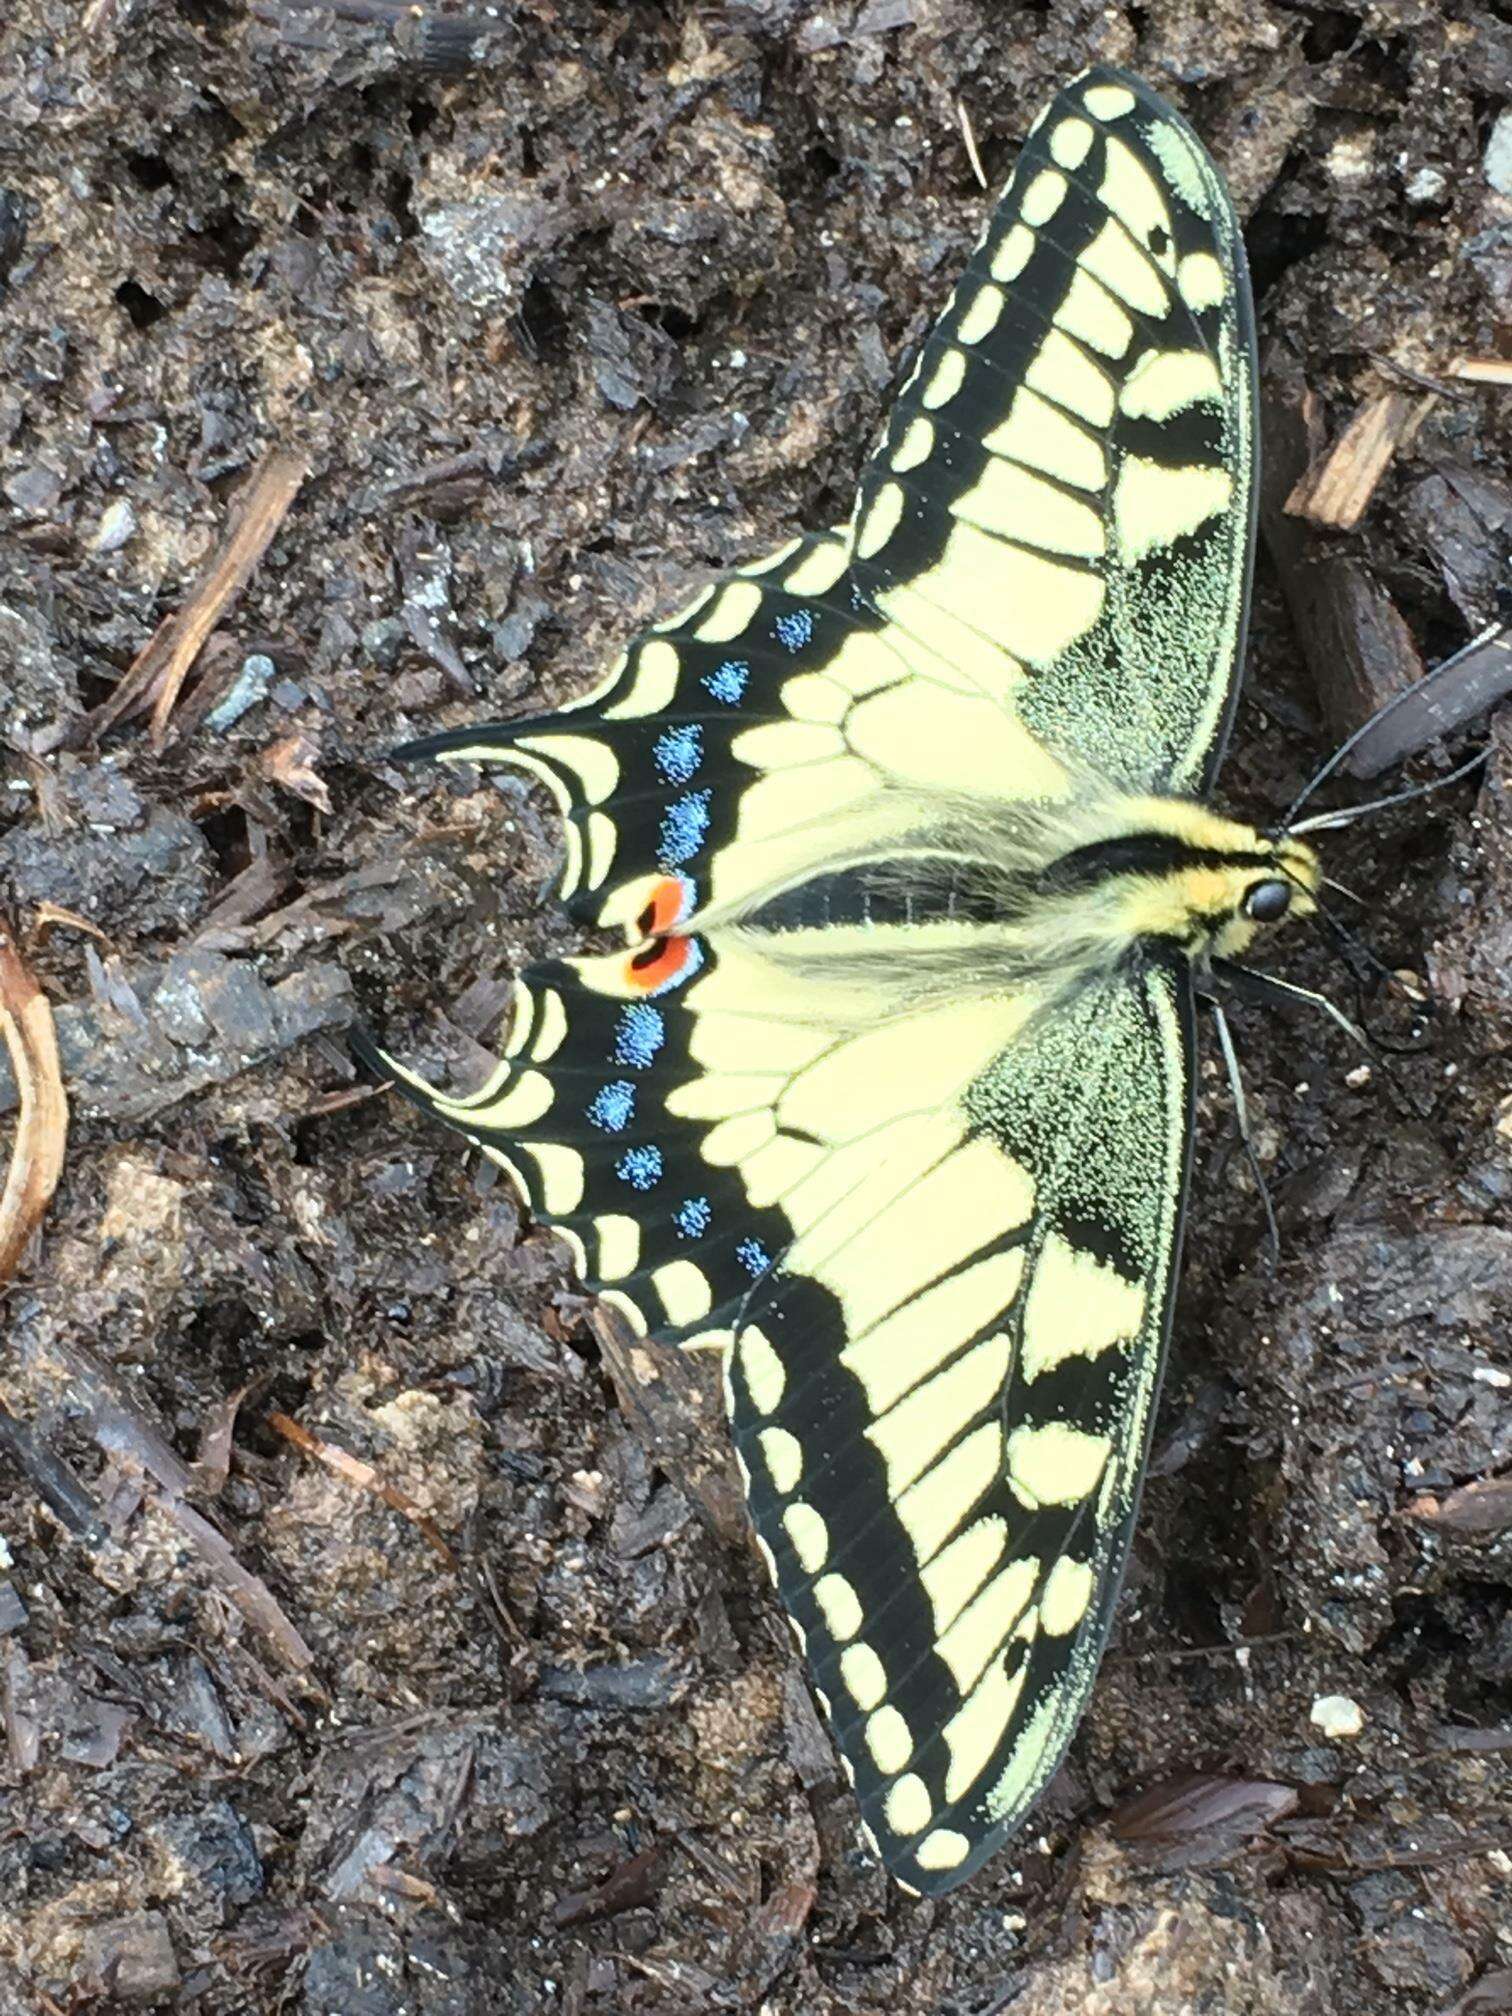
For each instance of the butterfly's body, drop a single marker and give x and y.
(889, 1093)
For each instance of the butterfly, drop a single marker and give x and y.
(888, 1092)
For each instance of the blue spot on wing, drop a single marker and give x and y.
(693, 1217)
(754, 1257)
(640, 1166)
(638, 1035)
(729, 683)
(684, 828)
(613, 1106)
(794, 629)
(678, 753)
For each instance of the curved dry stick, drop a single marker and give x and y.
(26, 1020)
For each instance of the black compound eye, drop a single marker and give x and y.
(1267, 902)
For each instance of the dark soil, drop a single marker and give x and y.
(564, 314)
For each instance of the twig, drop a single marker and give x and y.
(247, 1591)
(1336, 491)
(123, 1430)
(55, 1484)
(26, 1020)
(1482, 370)
(159, 671)
(968, 134)
(366, 1478)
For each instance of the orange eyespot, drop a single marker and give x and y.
(660, 964)
(668, 905)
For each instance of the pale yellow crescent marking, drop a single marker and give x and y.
(1067, 1592)
(1070, 142)
(841, 1606)
(1166, 382)
(595, 763)
(783, 1454)
(818, 571)
(1043, 197)
(552, 1028)
(689, 609)
(916, 446)
(619, 1245)
(653, 685)
(881, 520)
(731, 614)
(1108, 101)
(1155, 506)
(888, 1740)
(946, 379)
(864, 1676)
(1200, 278)
(602, 839)
(1012, 256)
(943, 1849)
(909, 1808)
(809, 1535)
(1055, 1464)
(1078, 1307)
(982, 317)
(765, 1378)
(562, 1176)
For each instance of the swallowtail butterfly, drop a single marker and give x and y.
(889, 1091)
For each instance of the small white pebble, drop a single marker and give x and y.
(1492, 1375)
(1498, 162)
(1358, 1077)
(1337, 1716)
(1351, 159)
(1427, 185)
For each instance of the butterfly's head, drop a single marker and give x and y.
(1243, 884)
(1164, 870)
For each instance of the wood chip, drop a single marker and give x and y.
(1358, 648)
(1453, 694)
(660, 1394)
(1482, 1507)
(36, 1163)
(1335, 490)
(1482, 370)
(158, 672)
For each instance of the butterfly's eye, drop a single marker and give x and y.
(1267, 902)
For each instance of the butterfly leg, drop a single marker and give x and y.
(1247, 985)
(1241, 1116)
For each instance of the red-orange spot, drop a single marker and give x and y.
(659, 963)
(664, 908)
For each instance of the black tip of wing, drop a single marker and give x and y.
(447, 741)
(364, 1047)
(367, 1051)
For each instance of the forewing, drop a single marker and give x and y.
(942, 1397)
(773, 727)
(1063, 500)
